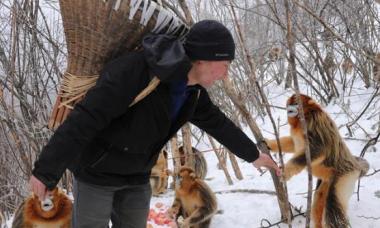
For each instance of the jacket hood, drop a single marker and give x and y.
(166, 57)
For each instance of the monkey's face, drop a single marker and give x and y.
(308, 104)
(47, 204)
(48, 207)
(186, 175)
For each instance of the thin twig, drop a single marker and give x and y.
(254, 191)
(373, 173)
(370, 142)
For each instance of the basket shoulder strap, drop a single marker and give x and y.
(151, 86)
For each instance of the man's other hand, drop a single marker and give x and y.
(37, 187)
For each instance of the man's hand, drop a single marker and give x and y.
(265, 160)
(37, 187)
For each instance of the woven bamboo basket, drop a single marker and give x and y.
(99, 30)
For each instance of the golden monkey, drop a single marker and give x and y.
(329, 63)
(53, 212)
(200, 164)
(160, 174)
(347, 66)
(332, 163)
(275, 53)
(194, 200)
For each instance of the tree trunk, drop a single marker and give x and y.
(281, 193)
(235, 166)
(187, 147)
(222, 164)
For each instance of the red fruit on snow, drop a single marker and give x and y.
(172, 224)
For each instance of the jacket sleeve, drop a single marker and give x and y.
(109, 98)
(209, 118)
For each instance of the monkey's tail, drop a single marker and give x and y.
(203, 216)
(334, 214)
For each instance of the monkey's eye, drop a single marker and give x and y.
(49, 196)
(292, 110)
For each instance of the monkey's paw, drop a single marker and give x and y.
(172, 212)
(184, 224)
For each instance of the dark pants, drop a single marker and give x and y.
(127, 206)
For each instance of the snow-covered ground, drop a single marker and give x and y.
(250, 209)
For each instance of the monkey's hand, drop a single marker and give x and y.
(172, 212)
(184, 224)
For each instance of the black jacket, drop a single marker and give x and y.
(105, 142)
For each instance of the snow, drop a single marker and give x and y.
(250, 209)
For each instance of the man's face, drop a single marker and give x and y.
(211, 71)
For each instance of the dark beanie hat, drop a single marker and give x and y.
(209, 40)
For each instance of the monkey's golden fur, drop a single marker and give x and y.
(160, 174)
(194, 201)
(200, 164)
(275, 53)
(30, 214)
(347, 66)
(332, 163)
(329, 63)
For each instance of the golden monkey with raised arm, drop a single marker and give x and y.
(332, 163)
